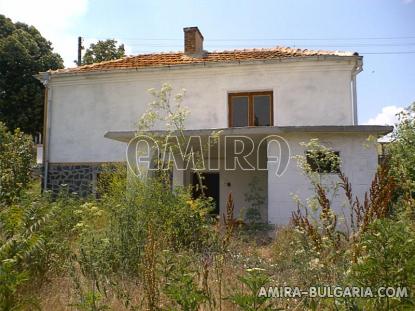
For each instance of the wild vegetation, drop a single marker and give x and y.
(144, 245)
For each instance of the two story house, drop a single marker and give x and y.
(277, 97)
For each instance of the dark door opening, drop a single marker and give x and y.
(211, 188)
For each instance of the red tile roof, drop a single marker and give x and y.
(179, 58)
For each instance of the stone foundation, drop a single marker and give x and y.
(81, 179)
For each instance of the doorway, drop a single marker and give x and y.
(212, 188)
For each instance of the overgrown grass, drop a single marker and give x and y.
(142, 246)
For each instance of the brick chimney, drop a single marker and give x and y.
(193, 41)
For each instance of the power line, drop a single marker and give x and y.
(318, 45)
(294, 44)
(267, 39)
(321, 39)
(360, 53)
(350, 45)
(380, 53)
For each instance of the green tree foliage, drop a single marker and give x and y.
(23, 53)
(102, 51)
(402, 150)
(16, 155)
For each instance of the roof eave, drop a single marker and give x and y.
(43, 77)
(357, 58)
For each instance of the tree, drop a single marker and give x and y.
(23, 53)
(102, 51)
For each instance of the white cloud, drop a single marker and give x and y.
(53, 18)
(386, 117)
(407, 1)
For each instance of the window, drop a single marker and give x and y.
(323, 163)
(250, 109)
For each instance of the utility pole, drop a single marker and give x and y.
(80, 48)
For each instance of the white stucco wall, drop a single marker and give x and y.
(358, 162)
(83, 108)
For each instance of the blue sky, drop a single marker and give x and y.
(373, 28)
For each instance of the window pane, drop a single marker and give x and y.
(239, 111)
(262, 110)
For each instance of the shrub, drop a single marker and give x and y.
(180, 273)
(387, 259)
(16, 156)
(401, 151)
(21, 242)
(252, 299)
(178, 221)
(59, 234)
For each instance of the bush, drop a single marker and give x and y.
(387, 259)
(179, 222)
(16, 158)
(35, 241)
(402, 149)
(21, 246)
(179, 273)
(254, 299)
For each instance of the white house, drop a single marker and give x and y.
(91, 113)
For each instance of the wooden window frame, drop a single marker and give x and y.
(250, 96)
